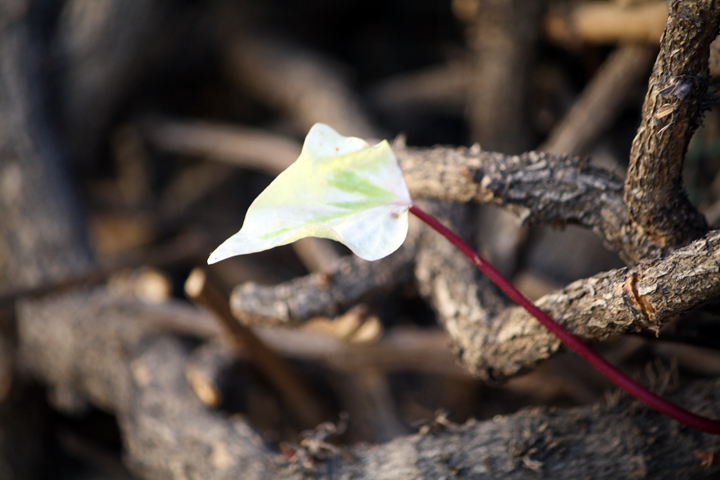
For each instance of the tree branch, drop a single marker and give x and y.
(673, 110)
(503, 38)
(171, 434)
(602, 100)
(498, 343)
(495, 342)
(540, 188)
(319, 293)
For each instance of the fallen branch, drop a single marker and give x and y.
(142, 378)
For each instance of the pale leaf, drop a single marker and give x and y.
(339, 188)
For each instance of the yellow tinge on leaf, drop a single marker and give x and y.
(339, 188)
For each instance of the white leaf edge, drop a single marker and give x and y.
(311, 198)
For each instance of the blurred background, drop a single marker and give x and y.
(169, 116)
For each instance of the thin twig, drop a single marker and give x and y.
(601, 101)
(297, 398)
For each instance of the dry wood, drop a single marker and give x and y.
(298, 398)
(673, 110)
(540, 188)
(609, 22)
(399, 350)
(242, 146)
(495, 344)
(600, 443)
(312, 295)
(464, 306)
(169, 433)
(97, 347)
(614, 22)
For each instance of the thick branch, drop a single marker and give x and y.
(541, 188)
(673, 109)
(494, 342)
(170, 434)
(322, 294)
(575, 444)
(629, 299)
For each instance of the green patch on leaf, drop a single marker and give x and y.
(339, 188)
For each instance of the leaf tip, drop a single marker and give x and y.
(221, 253)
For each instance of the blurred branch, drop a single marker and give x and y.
(182, 248)
(503, 38)
(241, 146)
(302, 84)
(152, 398)
(609, 22)
(601, 101)
(297, 397)
(42, 236)
(444, 85)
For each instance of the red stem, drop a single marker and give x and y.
(578, 346)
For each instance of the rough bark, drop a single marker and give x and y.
(171, 434)
(540, 188)
(673, 110)
(320, 294)
(502, 343)
(595, 442)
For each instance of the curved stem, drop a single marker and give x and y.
(573, 342)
